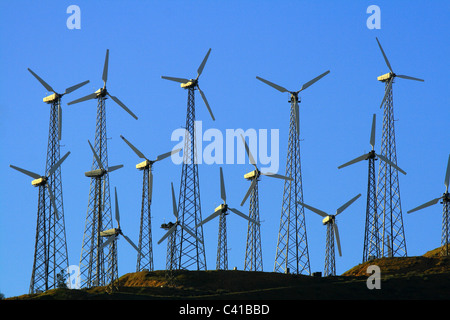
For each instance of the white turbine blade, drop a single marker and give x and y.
(408, 77)
(105, 67)
(181, 80)
(202, 65)
(168, 233)
(107, 242)
(358, 159)
(384, 55)
(309, 83)
(117, 207)
(250, 156)
(388, 88)
(57, 164)
(88, 97)
(273, 85)
(96, 156)
(274, 175)
(45, 84)
(426, 204)
(390, 163)
(52, 200)
(338, 241)
(124, 107)
(136, 150)
(174, 203)
(150, 185)
(206, 102)
(167, 154)
(75, 87)
(239, 213)
(132, 244)
(59, 121)
(209, 218)
(447, 174)
(319, 212)
(28, 173)
(372, 132)
(191, 233)
(252, 185)
(347, 204)
(297, 117)
(114, 168)
(223, 194)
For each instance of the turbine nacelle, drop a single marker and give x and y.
(110, 232)
(190, 84)
(252, 175)
(328, 219)
(39, 181)
(97, 173)
(52, 98)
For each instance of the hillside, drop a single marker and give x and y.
(419, 277)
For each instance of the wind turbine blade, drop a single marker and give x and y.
(96, 156)
(388, 88)
(57, 164)
(250, 157)
(309, 83)
(273, 85)
(191, 233)
(28, 173)
(384, 55)
(209, 218)
(113, 168)
(131, 243)
(426, 204)
(75, 87)
(206, 102)
(150, 185)
(252, 185)
(120, 103)
(202, 65)
(167, 154)
(45, 84)
(168, 233)
(244, 216)
(390, 163)
(447, 174)
(107, 242)
(136, 150)
(358, 159)
(297, 117)
(117, 207)
(408, 77)
(180, 80)
(338, 241)
(59, 121)
(372, 132)
(88, 97)
(105, 67)
(223, 194)
(52, 200)
(319, 212)
(274, 175)
(347, 204)
(174, 203)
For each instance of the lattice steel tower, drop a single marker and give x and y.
(93, 266)
(145, 259)
(388, 188)
(372, 242)
(292, 245)
(50, 257)
(191, 252)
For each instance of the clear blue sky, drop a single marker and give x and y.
(287, 42)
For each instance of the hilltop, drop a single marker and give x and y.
(418, 277)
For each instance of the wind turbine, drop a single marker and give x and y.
(222, 211)
(292, 246)
(112, 235)
(189, 197)
(332, 232)
(171, 228)
(45, 270)
(372, 244)
(445, 240)
(101, 149)
(253, 252)
(388, 188)
(145, 260)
